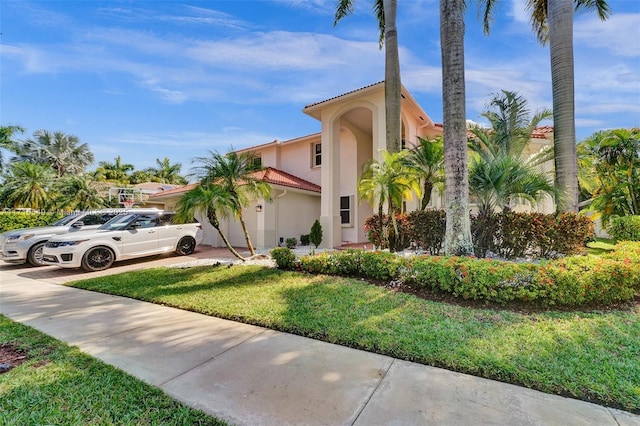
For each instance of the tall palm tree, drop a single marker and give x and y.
(7, 142)
(116, 171)
(211, 200)
(78, 192)
(167, 172)
(458, 230)
(236, 175)
(62, 152)
(552, 21)
(427, 160)
(385, 11)
(28, 185)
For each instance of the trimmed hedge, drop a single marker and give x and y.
(571, 281)
(625, 228)
(507, 234)
(18, 220)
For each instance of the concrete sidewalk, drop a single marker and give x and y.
(249, 375)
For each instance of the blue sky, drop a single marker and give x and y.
(155, 79)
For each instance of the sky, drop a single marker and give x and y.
(146, 80)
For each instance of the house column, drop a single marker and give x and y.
(330, 180)
(266, 224)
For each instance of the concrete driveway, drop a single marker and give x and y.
(56, 275)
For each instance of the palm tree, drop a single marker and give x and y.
(458, 230)
(389, 182)
(28, 185)
(552, 21)
(236, 175)
(385, 11)
(116, 171)
(7, 142)
(427, 160)
(62, 152)
(211, 200)
(167, 172)
(78, 192)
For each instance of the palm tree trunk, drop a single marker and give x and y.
(562, 82)
(213, 219)
(427, 188)
(392, 82)
(458, 230)
(246, 232)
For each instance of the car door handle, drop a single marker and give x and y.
(152, 232)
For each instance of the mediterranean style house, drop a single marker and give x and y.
(315, 176)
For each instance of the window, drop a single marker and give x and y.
(256, 162)
(345, 210)
(316, 160)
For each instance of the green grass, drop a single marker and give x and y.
(600, 246)
(60, 385)
(594, 356)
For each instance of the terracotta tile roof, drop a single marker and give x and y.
(178, 190)
(278, 177)
(541, 132)
(344, 94)
(269, 175)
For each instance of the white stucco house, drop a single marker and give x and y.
(315, 176)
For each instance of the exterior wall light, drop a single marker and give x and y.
(259, 208)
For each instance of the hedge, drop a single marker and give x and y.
(18, 220)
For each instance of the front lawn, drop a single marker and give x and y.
(594, 356)
(53, 383)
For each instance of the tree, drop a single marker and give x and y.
(7, 142)
(78, 192)
(458, 231)
(236, 175)
(385, 11)
(116, 171)
(427, 161)
(212, 201)
(315, 235)
(613, 159)
(500, 172)
(28, 185)
(166, 172)
(552, 21)
(388, 182)
(62, 152)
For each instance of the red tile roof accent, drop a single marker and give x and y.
(269, 175)
(541, 132)
(278, 177)
(344, 94)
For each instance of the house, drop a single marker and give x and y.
(315, 176)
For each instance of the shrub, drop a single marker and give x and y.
(291, 243)
(381, 233)
(304, 239)
(625, 228)
(284, 257)
(359, 263)
(17, 220)
(315, 235)
(426, 229)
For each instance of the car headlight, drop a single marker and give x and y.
(69, 243)
(21, 237)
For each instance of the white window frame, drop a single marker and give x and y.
(316, 157)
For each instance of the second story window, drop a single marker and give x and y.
(316, 155)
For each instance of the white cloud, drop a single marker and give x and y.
(620, 34)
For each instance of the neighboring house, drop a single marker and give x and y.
(352, 133)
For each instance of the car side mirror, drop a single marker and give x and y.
(135, 225)
(78, 224)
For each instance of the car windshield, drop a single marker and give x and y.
(65, 220)
(119, 222)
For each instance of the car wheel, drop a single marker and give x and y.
(97, 259)
(186, 246)
(34, 256)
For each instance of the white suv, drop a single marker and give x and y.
(25, 245)
(138, 233)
